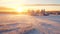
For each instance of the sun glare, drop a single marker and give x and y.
(20, 9)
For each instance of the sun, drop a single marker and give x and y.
(20, 9)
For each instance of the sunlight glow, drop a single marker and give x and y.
(20, 9)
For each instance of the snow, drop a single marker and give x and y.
(25, 24)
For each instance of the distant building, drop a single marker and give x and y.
(44, 13)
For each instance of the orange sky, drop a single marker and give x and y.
(47, 8)
(5, 9)
(17, 3)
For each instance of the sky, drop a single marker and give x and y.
(43, 1)
(14, 3)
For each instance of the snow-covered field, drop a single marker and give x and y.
(25, 24)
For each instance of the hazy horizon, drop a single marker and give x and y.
(18, 4)
(47, 8)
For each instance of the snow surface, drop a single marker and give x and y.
(25, 24)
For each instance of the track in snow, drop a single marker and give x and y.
(24, 24)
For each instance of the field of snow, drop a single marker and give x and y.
(25, 24)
